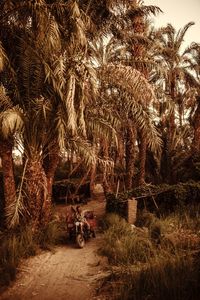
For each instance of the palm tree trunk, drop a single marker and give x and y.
(119, 161)
(130, 155)
(171, 132)
(8, 174)
(50, 164)
(106, 178)
(139, 51)
(196, 126)
(142, 159)
(35, 190)
(93, 172)
(92, 178)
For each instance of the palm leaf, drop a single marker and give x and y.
(130, 80)
(17, 208)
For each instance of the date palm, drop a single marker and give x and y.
(45, 75)
(141, 58)
(175, 80)
(35, 79)
(194, 50)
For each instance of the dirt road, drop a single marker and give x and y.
(68, 273)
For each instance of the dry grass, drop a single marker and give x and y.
(21, 243)
(150, 265)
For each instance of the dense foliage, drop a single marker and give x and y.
(101, 88)
(93, 84)
(160, 199)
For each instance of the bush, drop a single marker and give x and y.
(14, 246)
(167, 198)
(53, 234)
(123, 246)
(22, 243)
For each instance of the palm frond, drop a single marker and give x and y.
(144, 121)
(10, 122)
(81, 118)
(181, 33)
(101, 128)
(17, 208)
(135, 93)
(143, 10)
(69, 101)
(5, 101)
(130, 80)
(3, 57)
(84, 150)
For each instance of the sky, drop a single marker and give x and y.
(179, 13)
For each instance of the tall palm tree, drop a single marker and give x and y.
(46, 75)
(142, 62)
(34, 78)
(176, 77)
(194, 50)
(127, 88)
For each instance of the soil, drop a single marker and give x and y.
(67, 272)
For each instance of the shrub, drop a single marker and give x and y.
(166, 197)
(122, 245)
(14, 245)
(54, 233)
(22, 243)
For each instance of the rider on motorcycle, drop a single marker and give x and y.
(79, 216)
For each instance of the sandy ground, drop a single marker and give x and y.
(67, 273)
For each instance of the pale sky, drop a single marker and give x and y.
(179, 13)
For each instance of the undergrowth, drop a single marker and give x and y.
(54, 233)
(158, 260)
(22, 243)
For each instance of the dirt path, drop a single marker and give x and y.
(68, 273)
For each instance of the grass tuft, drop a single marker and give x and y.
(54, 233)
(14, 245)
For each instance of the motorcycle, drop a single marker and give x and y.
(81, 231)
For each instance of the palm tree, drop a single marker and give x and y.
(176, 77)
(141, 60)
(130, 43)
(127, 88)
(34, 78)
(46, 76)
(194, 64)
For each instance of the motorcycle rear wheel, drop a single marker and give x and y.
(80, 240)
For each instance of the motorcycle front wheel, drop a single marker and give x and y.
(80, 240)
